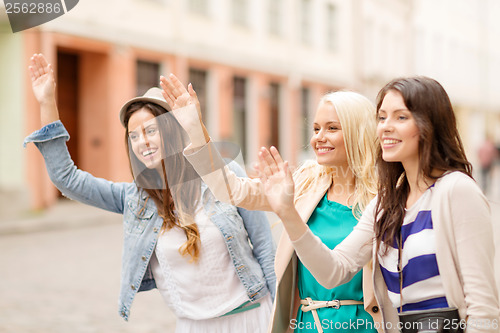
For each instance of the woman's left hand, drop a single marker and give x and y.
(277, 179)
(179, 98)
(279, 186)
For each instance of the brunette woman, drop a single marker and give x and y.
(428, 231)
(211, 262)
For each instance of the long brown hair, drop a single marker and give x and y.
(440, 148)
(178, 189)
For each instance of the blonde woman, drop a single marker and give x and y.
(331, 193)
(428, 232)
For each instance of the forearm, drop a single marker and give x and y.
(195, 128)
(294, 226)
(198, 136)
(72, 182)
(334, 267)
(198, 142)
(48, 112)
(223, 182)
(77, 184)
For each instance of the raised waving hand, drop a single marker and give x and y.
(44, 88)
(176, 94)
(185, 108)
(277, 180)
(278, 184)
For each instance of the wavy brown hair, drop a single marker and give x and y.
(440, 148)
(176, 193)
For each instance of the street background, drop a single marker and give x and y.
(259, 68)
(60, 272)
(66, 278)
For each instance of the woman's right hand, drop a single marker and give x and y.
(42, 79)
(44, 88)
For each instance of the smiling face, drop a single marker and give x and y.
(397, 130)
(327, 141)
(145, 138)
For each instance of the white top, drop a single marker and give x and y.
(464, 252)
(422, 284)
(202, 290)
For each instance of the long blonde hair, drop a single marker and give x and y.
(358, 120)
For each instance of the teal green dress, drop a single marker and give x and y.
(332, 222)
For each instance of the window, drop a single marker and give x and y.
(198, 79)
(275, 18)
(331, 27)
(274, 89)
(239, 113)
(305, 100)
(198, 7)
(239, 12)
(305, 21)
(147, 76)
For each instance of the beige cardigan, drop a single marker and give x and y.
(464, 252)
(249, 194)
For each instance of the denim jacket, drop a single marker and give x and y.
(253, 263)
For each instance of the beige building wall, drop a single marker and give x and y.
(456, 42)
(298, 46)
(384, 47)
(13, 194)
(108, 44)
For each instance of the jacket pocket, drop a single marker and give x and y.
(137, 217)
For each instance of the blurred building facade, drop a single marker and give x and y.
(259, 68)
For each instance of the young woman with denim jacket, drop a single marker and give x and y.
(331, 193)
(177, 237)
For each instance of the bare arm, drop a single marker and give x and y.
(42, 81)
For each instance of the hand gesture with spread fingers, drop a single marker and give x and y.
(42, 79)
(176, 95)
(185, 108)
(44, 88)
(277, 179)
